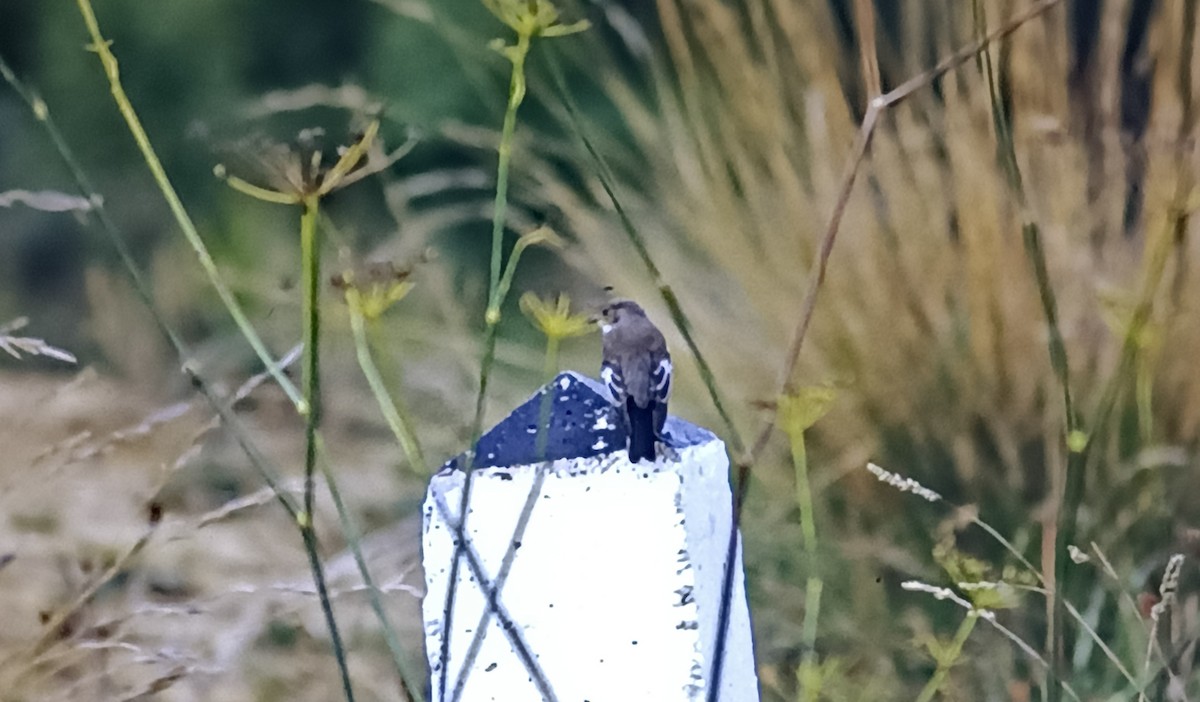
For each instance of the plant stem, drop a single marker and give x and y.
(550, 365)
(1077, 454)
(948, 658)
(223, 408)
(409, 681)
(549, 370)
(310, 264)
(311, 548)
(516, 94)
(100, 45)
(496, 293)
(678, 317)
(808, 528)
(125, 253)
(393, 410)
(302, 517)
(393, 378)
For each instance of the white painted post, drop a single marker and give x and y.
(614, 587)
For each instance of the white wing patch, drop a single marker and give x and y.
(615, 383)
(661, 377)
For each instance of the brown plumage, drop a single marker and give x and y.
(637, 369)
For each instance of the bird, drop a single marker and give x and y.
(636, 367)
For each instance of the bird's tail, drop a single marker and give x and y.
(641, 431)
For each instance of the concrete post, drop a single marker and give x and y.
(612, 590)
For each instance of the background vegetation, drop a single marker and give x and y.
(141, 554)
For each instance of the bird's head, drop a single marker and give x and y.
(617, 313)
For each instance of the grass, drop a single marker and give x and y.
(980, 236)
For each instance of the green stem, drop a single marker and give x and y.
(1077, 451)
(111, 69)
(393, 410)
(549, 370)
(311, 549)
(228, 417)
(125, 253)
(109, 61)
(550, 366)
(310, 263)
(409, 680)
(949, 657)
(808, 528)
(608, 182)
(392, 378)
(500, 285)
(516, 94)
(489, 358)
(496, 293)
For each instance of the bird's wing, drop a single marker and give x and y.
(660, 380)
(610, 373)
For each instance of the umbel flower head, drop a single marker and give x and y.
(554, 318)
(530, 18)
(800, 409)
(372, 289)
(296, 172)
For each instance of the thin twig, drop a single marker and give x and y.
(393, 412)
(858, 151)
(514, 542)
(864, 19)
(678, 317)
(487, 585)
(409, 680)
(945, 593)
(188, 367)
(1068, 504)
(816, 277)
(310, 263)
(947, 659)
(101, 47)
(497, 292)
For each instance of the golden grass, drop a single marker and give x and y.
(930, 320)
(736, 125)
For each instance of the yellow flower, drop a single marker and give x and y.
(295, 174)
(530, 18)
(974, 578)
(372, 290)
(554, 319)
(801, 409)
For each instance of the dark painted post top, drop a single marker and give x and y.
(583, 423)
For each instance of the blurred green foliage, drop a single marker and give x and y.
(727, 125)
(195, 72)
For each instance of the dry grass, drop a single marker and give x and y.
(930, 320)
(213, 601)
(734, 125)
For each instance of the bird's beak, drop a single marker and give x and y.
(598, 320)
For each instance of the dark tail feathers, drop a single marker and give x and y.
(642, 434)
